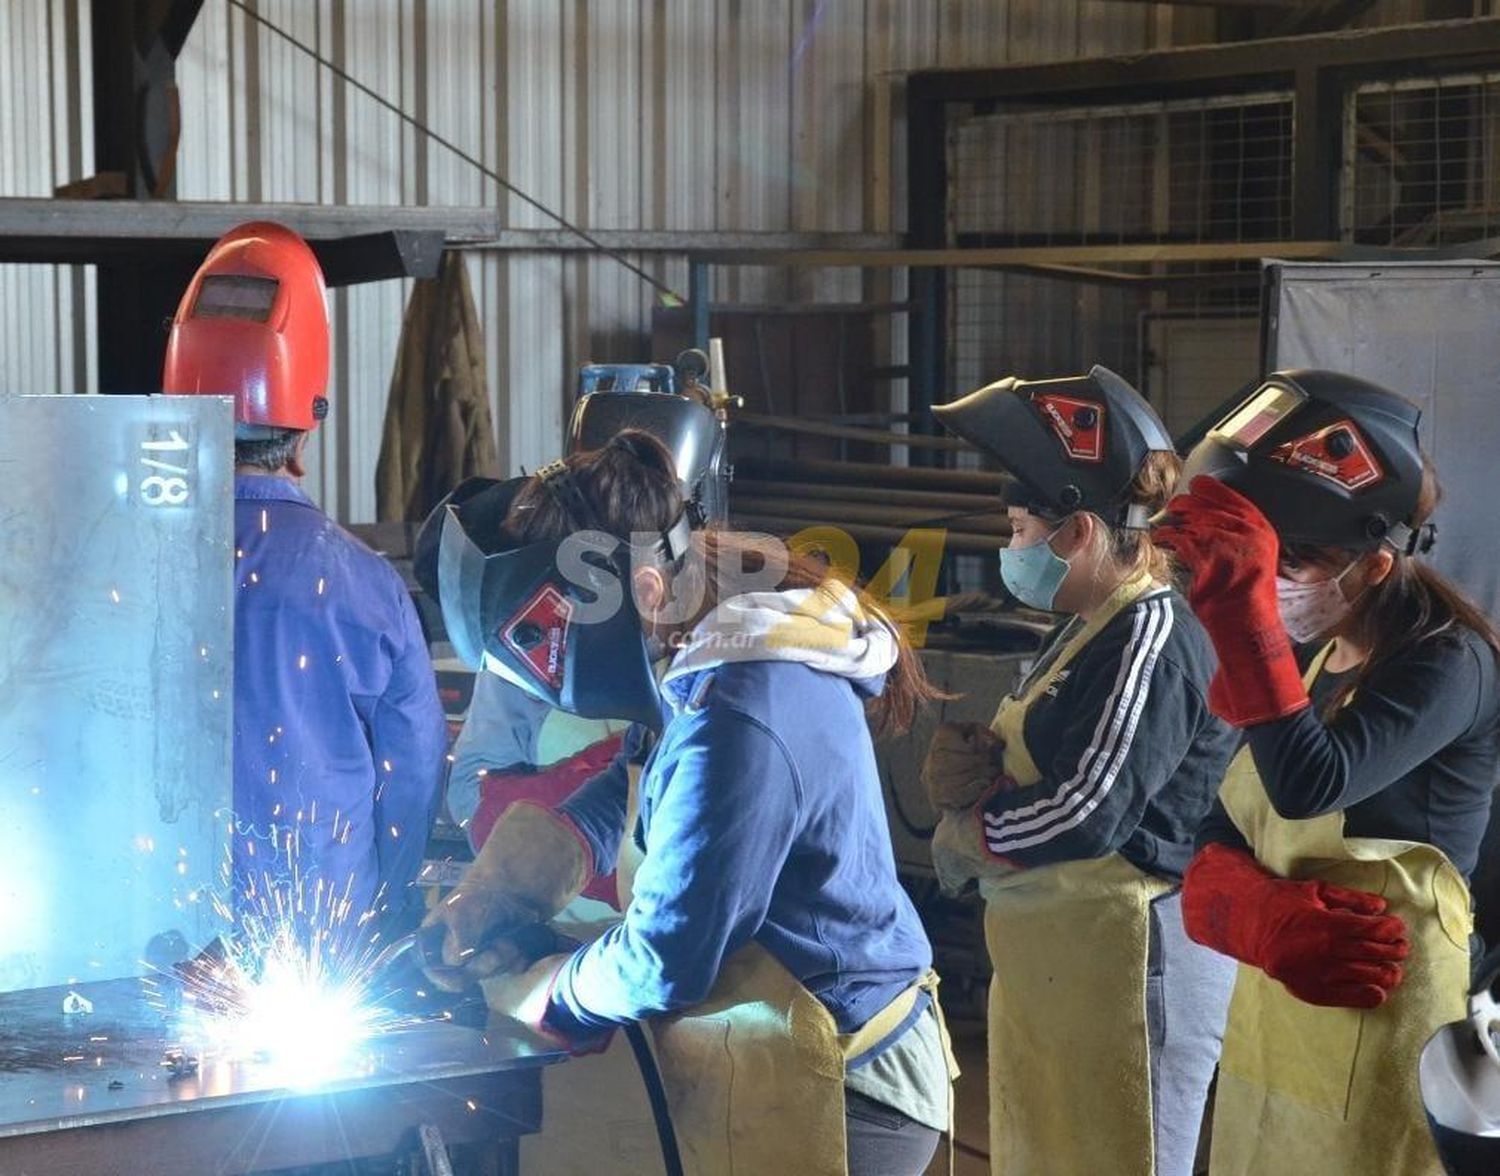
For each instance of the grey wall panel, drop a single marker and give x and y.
(1427, 331)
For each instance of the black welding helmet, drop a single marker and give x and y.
(556, 617)
(686, 428)
(1459, 1074)
(1331, 460)
(1071, 444)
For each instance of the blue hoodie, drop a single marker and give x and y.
(761, 818)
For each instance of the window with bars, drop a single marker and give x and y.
(1420, 163)
(1216, 169)
(1179, 172)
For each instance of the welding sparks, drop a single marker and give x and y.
(297, 986)
(294, 1012)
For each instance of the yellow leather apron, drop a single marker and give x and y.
(1304, 1088)
(754, 1076)
(1069, 1051)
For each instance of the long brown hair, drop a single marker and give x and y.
(1412, 604)
(631, 486)
(1131, 548)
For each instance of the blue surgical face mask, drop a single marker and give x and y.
(1034, 573)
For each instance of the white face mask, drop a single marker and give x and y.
(1310, 610)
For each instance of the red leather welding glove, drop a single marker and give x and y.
(1232, 553)
(1327, 944)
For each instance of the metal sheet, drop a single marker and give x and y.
(115, 673)
(60, 1073)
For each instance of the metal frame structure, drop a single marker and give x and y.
(1317, 69)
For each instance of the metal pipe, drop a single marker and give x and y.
(698, 291)
(955, 541)
(837, 511)
(860, 473)
(848, 432)
(932, 499)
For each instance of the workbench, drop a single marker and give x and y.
(89, 1094)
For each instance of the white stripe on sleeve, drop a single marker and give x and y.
(1100, 764)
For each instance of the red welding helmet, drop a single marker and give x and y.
(254, 325)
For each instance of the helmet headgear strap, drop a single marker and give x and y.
(1411, 540)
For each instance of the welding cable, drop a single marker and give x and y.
(907, 822)
(656, 1093)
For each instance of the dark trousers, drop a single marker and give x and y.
(884, 1142)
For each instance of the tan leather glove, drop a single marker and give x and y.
(531, 866)
(963, 762)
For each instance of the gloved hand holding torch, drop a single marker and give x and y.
(531, 866)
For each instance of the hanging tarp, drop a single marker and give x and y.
(438, 429)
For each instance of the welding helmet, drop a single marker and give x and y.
(254, 325)
(612, 398)
(616, 397)
(1071, 444)
(557, 617)
(1330, 459)
(1459, 1075)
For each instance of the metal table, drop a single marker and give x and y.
(90, 1094)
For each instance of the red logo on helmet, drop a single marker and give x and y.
(1079, 424)
(538, 635)
(1337, 454)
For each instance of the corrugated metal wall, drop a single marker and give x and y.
(46, 138)
(653, 114)
(656, 114)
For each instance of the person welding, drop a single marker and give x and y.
(339, 736)
(780, 968)
(513, 745)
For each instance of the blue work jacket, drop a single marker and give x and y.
(339, 737)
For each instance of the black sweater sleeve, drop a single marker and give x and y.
(1131, 714)
(1218, 828)
(1402, 716)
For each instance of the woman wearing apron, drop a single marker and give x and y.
(782, 971)
(1334, 865)
(1076, 809)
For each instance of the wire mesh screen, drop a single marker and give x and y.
(1420, 161)
(1210, 170)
